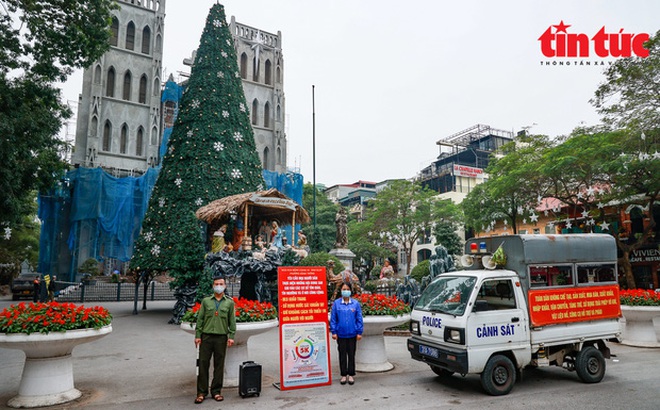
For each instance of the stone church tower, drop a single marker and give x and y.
(119, 119)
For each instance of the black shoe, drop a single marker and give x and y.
(342, 380)
(350, 380)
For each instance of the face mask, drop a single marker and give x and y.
(218, 289)
(346, 293)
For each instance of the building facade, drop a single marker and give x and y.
(119, 110)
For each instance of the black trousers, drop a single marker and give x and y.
(216, 346)
(346, 347)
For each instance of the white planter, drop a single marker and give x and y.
(371, 355)
(48, 371)
(639, 328)
(238, 353)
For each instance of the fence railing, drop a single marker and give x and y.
(108, 292)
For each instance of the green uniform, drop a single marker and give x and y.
(216, 322)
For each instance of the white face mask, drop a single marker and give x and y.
(346, 293)
(218, 289)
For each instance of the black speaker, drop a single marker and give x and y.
(249, 379)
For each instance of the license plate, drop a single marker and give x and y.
(429, 351)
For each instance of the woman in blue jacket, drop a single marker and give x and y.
(346, 328)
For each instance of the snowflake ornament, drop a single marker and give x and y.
(225, 114)
(189, 134)
(238, 136)
(199, 202)
(260, 187)
(195, 104)
(237, 74)
(161, 202)
(236, 173)
(7, 233)
(170, 150)
(155, 250)
(178, 182)
(221, 74)
(242, 107)
(149, 236)
(219, 146)
(217, 23)
(224, 54)
(228, 42)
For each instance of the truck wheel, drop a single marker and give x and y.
(590, 365)
(441, 372)
(498, 376)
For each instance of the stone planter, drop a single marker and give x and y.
(371, 355)
(238, 353)
(639, 328)
(47, 377)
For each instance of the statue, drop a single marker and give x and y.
(342, 234)
(440, 263)
(347, 276)
(218, 243)
(185, 299)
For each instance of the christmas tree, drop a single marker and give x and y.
(211, 154)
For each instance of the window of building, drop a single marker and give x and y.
(159, 44)
(110, 83)
(156, 87)
(255, 69)
(154, 136)
(243, 66)
(130, 36)
(423, 254)
(278, 75)
(123, 139)
(142, 98)
(266, 153)
(267, 115)
(279, 113)
(97, 75)
(267, 72)
(596, 273)
(255, 111)
(114, 29)
(146, 40)
(107, 136)
(127, 86)
(139, 142)
(94, 127)
(279, 156)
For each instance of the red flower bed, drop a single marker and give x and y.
(375, 304)
(52, 317)
(639, 297)
(246, 311)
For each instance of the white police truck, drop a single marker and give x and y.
(524, 300)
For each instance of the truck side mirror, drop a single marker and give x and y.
(481, 306)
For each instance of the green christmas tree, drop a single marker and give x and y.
(211, 154)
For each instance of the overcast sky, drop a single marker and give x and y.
(393, 77)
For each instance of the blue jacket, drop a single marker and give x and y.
(346, 318)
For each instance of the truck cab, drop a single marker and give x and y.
(524, 300)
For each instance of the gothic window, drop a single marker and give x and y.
(110, 83)
(266, 151)
(267, 115)
(123, 140)
(255, 111)
(279, 156)
(94, 127)
(130, 36)
(159, 44)
(114, 28)
(139, 141)
(107, 136)
(267, 72)
(156, 87)
(255, 69)
(243, 65)
(154, 136)
(97, 75)
(278, 75)
(279, 113)
(127, 86)
(146, 40)
(142, 98)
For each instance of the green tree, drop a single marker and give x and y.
(323, 239)
(629, 97)
(21, 241)
(401, 213)
(211, 154)
(445, 235)
(41, 42)
(365, 249)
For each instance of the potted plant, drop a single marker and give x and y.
(379, 313)
(47, 333)
(639, 307)
(252, 318)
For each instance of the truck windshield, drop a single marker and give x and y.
(447, 294)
